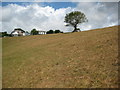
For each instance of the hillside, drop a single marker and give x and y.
(85, 59)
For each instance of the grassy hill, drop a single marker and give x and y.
(85, 59)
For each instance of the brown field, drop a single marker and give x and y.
(87, 59)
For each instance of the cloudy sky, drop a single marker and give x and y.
(50, 15)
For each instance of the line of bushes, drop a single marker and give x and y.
(52, 32)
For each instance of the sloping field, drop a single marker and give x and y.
(75, 60)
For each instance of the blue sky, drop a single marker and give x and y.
(58, 5)
(55, 5)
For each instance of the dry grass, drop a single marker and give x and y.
(76, 60)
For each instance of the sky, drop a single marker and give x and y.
(50, 15)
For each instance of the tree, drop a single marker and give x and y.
(50, 32)
(75, 18)
(57, 31)
(3, 34)
(34, 32)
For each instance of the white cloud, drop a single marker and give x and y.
(33, 16)
(99, 15)
(45, 18)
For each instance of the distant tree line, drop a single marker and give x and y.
(35, 32)
(32, 32)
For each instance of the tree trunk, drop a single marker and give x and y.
(75, 28)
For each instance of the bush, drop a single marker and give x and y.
(56, 31)
(34, 32)
(50, 32)
(3, 34)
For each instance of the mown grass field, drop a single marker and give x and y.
(87, 59)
